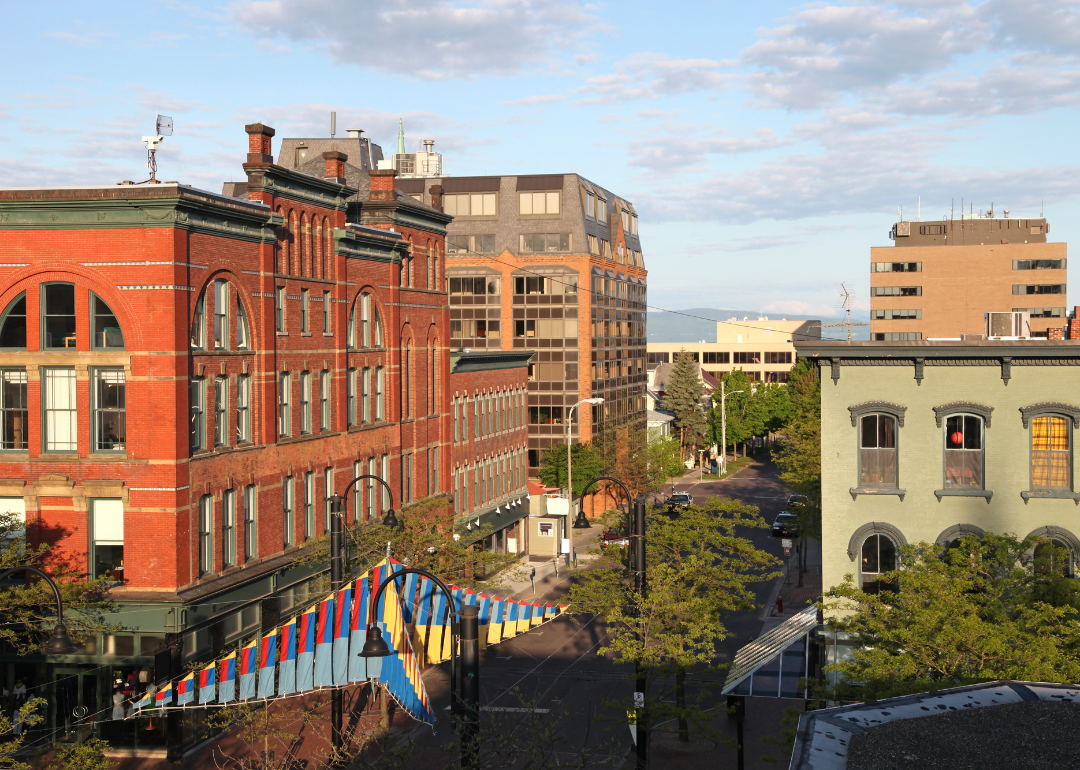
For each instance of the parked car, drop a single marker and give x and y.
(618, 536)
(680, 499)
(785, 525)
(796, 501)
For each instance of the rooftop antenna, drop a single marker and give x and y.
(163, 127)
(1040, 208)
(333, 124)
(918, 217)
(845, 303)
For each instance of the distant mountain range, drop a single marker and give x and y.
(699, 323)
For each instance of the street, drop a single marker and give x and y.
(553, 675)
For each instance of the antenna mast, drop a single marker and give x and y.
(845, 303)
(163, 127)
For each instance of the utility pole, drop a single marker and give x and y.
(639, 584)
(723, 424)
(335, 586)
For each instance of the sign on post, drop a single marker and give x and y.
(786, 542)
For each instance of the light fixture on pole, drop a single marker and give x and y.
(60, 643)
(582, 522)
(723, 426)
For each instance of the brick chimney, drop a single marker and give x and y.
(382, 184)
(1055, 334)
(436, 191)
(259, 150)
(335, 165)
(1072, 331)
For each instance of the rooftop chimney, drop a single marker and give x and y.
(436, 191)
(259, 150)
(354, 132)
(382, 184)
(428, 145)
(335, 165)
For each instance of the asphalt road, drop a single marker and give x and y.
(551, 686)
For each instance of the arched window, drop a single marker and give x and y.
(434, 362)
(1054, 556)
(198, 327)
(105, 331)
(1051, 453)
(317, 252)
(58, 315)
(294, 261)
(365, 320)
(283, 244)
(877, 451)
(406, 380)
(329, 251)
(13, 324)
(350, 338)
(878, 557)
(221, 314)
(243, 333)
(376, 326)
(964, 452)
(304, 245)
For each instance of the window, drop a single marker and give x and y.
(288, 500)
(1042, 312)
(889, 315)
(198, 325)
(243, 336)
(251, 535)
(594, 246)
(221, 404)
(472, 205)
(601, 209)
(1042, 288)
(58, 315)
(206, 535)
(324, 398)
(107, 538)
(197, 427)
(376, 327)
(228, 528)
(305, 299)
(305, 402)
(365, 320)
(379, 413)
(877, 452)
(13, 324)
(464, 244)
(744, 357)
(542, 242)
(370, 494)
(525, 328)
(284, 404)
(625, 220)
(407, 488)
(350, 337)
(706, 358)
(279, 309)
(897, 336)
(243, 408)
(774, 357)
(433, 471)
(776, 376)
(898, 291)
(590, 205)
(896, 267)
(963, 452)
(309, 505)
(13, 412)
(1051, 455)
(351, 397)
(406, 382)
(1038, 264)
(221, 315)
(365, 394)
(539, 203)
(61, 420)
(878, 558)
(634, 226)
(326, 313)
(1053, 557)
(105, 333)
(328, 491)
(475, 285)
(433, 401)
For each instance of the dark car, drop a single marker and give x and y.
(616, 536)
(680, 499)
(785, 525)
(796, 501)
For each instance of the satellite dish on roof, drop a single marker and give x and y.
(163, 126)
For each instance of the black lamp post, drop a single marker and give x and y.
(465, 633)
(635, 521)
(60, 643)
(337, 517)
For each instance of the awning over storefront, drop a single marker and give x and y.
(772, 665)
(493, 518)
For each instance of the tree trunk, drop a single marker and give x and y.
(680, 701)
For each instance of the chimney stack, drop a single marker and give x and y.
(428, 145)
(335, 165)
(436, 191)
(259, 150)
(382, 184)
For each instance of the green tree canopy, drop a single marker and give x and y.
(975, 613)
(683, 394)
(588, 464)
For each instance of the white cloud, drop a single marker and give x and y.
(675, 151)
(650, 75)
(432, 39)
(527, 100)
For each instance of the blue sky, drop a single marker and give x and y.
(766, 145)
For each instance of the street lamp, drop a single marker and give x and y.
(337, 519)
(581, 523)
(464, 632)
(723, 425)
(60, 643)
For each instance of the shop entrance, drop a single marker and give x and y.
(75, 705)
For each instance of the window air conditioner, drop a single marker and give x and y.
(1005, 326)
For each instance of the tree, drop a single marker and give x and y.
(588, 464)
(746, 416)
(698, 567)
(88, 755)
(682, 397)
(28, 608)
(29, 715)
(643, 462)
(274, 735)
(976, 613)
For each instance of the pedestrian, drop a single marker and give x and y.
(118, 705)
(532, 579)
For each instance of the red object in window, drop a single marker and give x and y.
(957, 438)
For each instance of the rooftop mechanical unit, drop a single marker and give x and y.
(1008, 326)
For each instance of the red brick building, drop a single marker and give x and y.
(186, 376)
(489, 394)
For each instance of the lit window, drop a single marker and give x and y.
(107, 539)
(1051, 453)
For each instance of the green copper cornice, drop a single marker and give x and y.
(356, 245)
(296, 186)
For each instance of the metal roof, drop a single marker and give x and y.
(772, 665)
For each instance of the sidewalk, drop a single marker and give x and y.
(795, 599)
(550, 575)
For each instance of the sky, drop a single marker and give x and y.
(766, 146)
